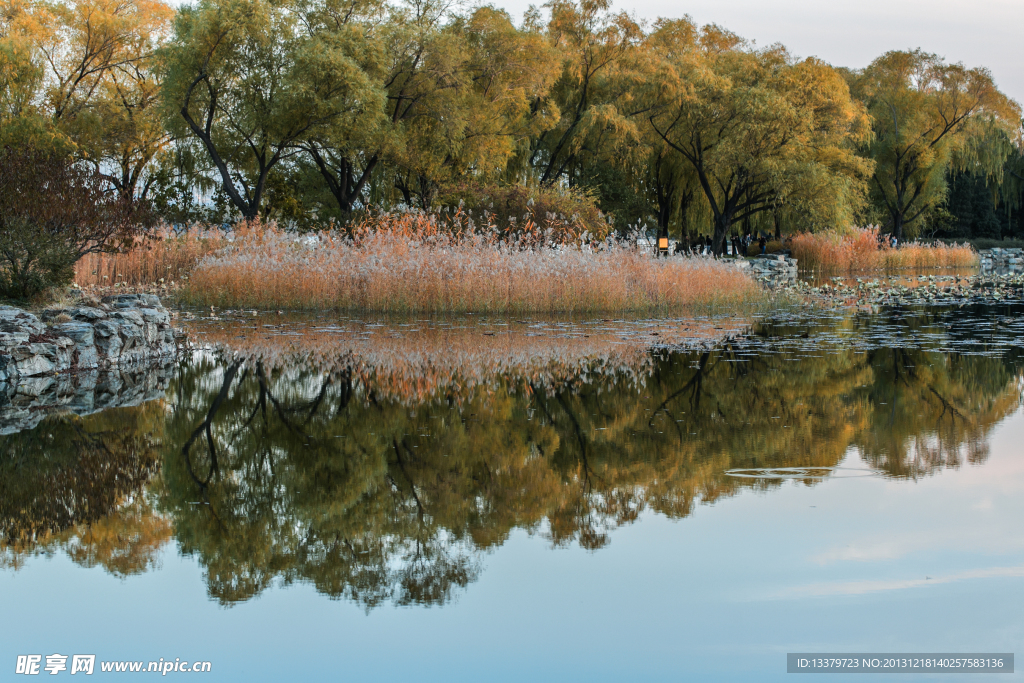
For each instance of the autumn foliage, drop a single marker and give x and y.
(53, 212)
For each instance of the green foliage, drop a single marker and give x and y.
(929, 117)
(251, 81)
(34, 260)
(309, 112)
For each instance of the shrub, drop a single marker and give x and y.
(52, 213)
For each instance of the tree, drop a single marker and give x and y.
(87, 72)
(754, 125)
(21, 78)
(927, 118)
(251, 83)
(596, 48)
(460, 90)
(54, 211)
(124, 130)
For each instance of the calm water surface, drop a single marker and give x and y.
(507, 500)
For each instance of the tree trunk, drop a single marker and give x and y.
(722, 227)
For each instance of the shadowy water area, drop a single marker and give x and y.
(502, 499)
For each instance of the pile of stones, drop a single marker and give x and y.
(986, 288)
(1002, 260)
(119, 330)
(774, 269)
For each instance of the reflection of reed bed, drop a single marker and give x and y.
(861, 249)
(408, 264)
(414, 361)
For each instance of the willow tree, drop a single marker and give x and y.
(251, 82)
(754, 124)
(82, 72)
(587, 105)
(118, 125)
(927, 118)
(460, 90)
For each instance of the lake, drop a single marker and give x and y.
(304, 498)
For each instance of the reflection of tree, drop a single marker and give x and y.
(280, 476)
(294, 474)
(75, 483)
(288, 473)
(932, 410)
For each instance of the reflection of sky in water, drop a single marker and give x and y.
(839, 566)
(854, 561)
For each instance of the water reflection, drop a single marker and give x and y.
(76, 484)
(348, 474)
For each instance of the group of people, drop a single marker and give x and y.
(741, 243)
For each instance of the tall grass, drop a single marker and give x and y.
(837, 251)
(166, 256)
(416, 263)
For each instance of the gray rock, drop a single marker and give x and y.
(34, 365)
(131, 315)
(153, 315)
(8, 339)
(16, 320)
(108, 341)
(127, 328)
(87, 313)
(81, 333)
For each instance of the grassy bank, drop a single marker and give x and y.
(413, 264)
(861, 249)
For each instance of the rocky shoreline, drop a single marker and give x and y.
(120, 330)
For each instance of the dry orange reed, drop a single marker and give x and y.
(860, 249)
(418, 263)
(166, 256)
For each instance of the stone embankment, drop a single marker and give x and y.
(117, 331)
(984, 288)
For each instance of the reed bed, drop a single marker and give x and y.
(837, 251)
(417, 263)
(167, 256)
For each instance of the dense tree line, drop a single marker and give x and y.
(306, 111)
